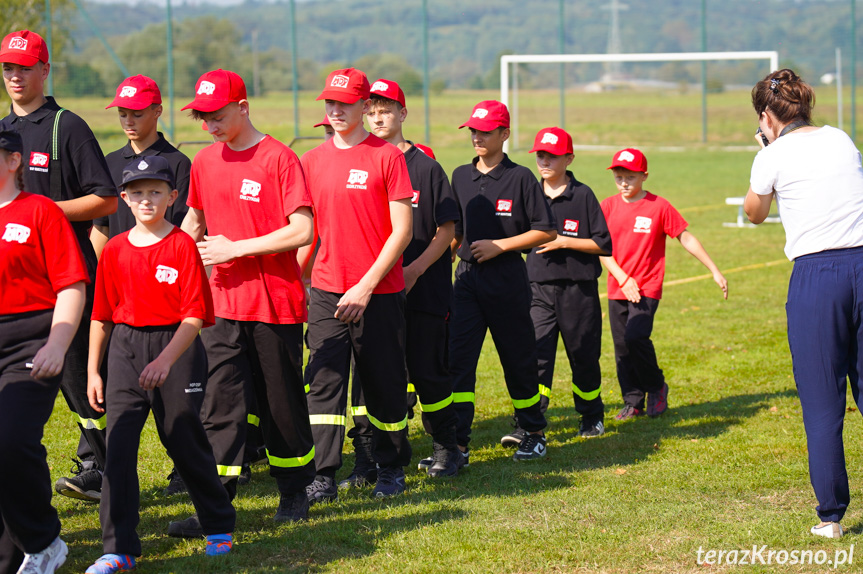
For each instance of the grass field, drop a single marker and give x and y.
(725, 468)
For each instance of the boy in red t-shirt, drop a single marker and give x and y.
(362, 198)
(249, 194)
(43, 280)
(152, 300)
(639, 222)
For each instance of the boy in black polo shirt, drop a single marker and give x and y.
(502, 214)
(63, 161)
(139, 106)
(563, 279)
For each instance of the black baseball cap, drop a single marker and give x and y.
(150, 167)
(11, 141)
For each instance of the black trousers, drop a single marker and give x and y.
(571, 310)
(29, 522)
(637, 369)
(377, 342)
(74, 389)
(176, 406)
(248, 357)
(428, 374)
(494, 296)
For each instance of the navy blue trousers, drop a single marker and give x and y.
(825, 334)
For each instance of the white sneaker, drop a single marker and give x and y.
(828, 530)
(46, 561)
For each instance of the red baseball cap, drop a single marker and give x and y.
(631, 159)
(488, 115)
(326, 122)
(217, 89)
(347, 85)
(136, 93)
(388, 89)
(24, 48)
(425, 149)
(552, 140)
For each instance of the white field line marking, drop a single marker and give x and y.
(710, 275)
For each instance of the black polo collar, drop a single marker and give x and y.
(496, 172)
(49, 108)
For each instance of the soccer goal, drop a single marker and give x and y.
(514, 59)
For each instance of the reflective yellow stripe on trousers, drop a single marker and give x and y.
(292, 462)
(586, 396)
(91, 424)
(338, 420)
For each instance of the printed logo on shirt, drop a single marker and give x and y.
(549, 139)
(357, 179)
(195, 388)
(165, 274)
(18, 43)
(206, 88)
(642, 224)
(570, 227)
(504, 208)
(16, 233)
(380, 86)
(415, 200)
(479, 113)
(340, 81)
(128, 91)
(250, 191)
(39, 161)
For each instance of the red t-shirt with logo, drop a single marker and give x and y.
(351, 190)
(246, 194)
(39, 255)
(638, 232)
(156, 285)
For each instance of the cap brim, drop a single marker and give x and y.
(321, 124)
(20, 59)
(147, 176)
(206, 106)
(339, 97)
(118, 104)
(481, 125)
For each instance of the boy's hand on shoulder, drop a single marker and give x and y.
(216, 249)
(48, 361)
(722, 282)
(558, 243)
(484, 250)
(631, 290)
(154, 374)
(95, 392)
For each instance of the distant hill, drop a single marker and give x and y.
(466, 38)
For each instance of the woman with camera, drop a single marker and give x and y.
(816, 177)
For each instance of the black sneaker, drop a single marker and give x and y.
(322, 489)
(85, 485)
(589, 429)
(426, 463)
(447, 461)
(245, 475)
(514, 438)
(391, 482)
(188, 528)
(365, 470)
(657, 403)
(531, 448)
(292, 507)
(175, 484)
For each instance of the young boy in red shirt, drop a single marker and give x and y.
(362, 194)
(249, 194)
(43, 276)
(152, 300)
(639, 222)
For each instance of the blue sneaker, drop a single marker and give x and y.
(219, 544)
(110, 563)
(391, 482)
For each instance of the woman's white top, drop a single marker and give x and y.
(818, 179)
